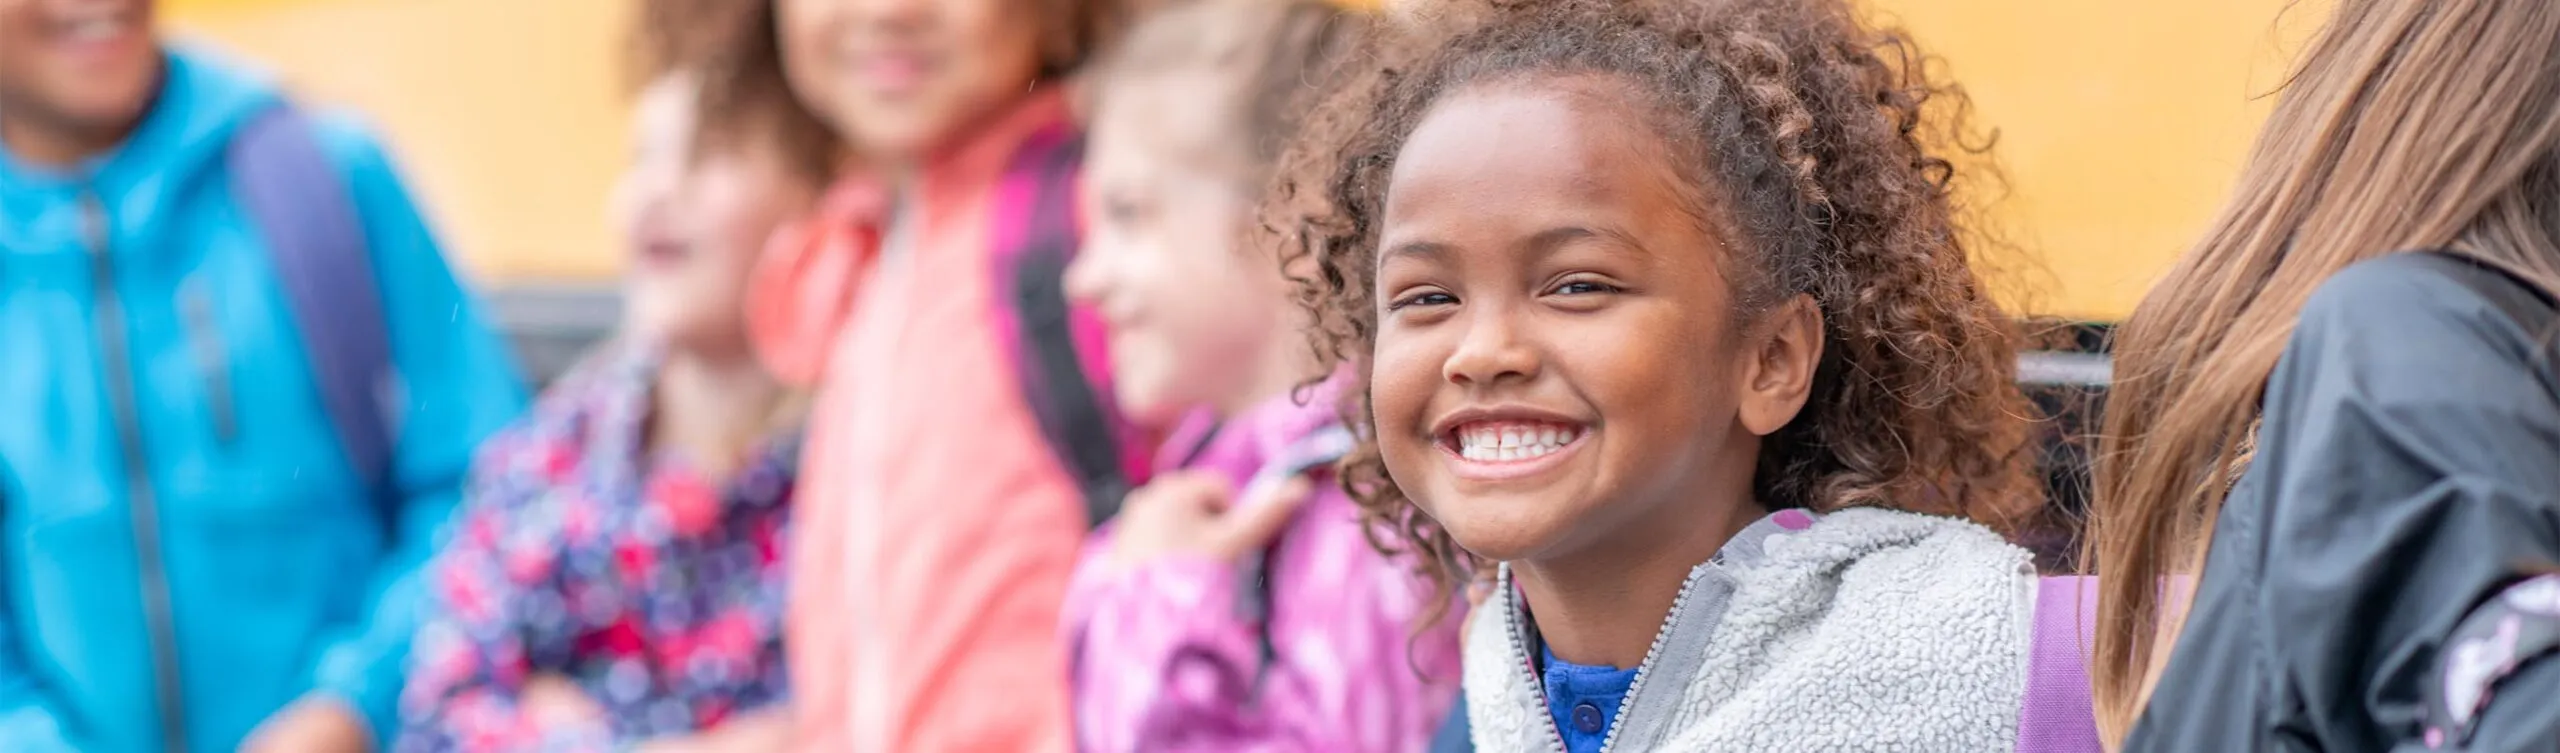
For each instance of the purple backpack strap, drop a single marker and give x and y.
(2057, 716)
(298, 201)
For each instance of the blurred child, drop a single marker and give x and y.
(242, 389)
(959, 448)
(616, 578)
(1663, 307)
(1174, 643)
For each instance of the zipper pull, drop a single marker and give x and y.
(213, 357)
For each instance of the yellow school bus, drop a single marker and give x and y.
(2119, 123)
(2119, 126)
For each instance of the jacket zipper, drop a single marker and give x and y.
(1520, 647)
(116, 353)
(1644, 669)
(1528, 665)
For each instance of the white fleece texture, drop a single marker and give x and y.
(1873, 630)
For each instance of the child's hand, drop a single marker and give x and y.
(313, 724)
(1195, 513)
(553, 701)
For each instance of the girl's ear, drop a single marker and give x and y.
(1778, 378)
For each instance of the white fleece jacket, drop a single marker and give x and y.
(1870, 630)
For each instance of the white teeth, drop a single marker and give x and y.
(96, 29)
(1513, 443)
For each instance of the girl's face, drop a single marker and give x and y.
(898, 78)
(1192, 313)
(1558, 368)
(694, 220)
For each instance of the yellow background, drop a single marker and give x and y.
(2120, 122)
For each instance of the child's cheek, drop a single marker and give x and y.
(1401, 381)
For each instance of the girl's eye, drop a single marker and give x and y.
(1423, 298)
(1122, 211)
(1582, 287)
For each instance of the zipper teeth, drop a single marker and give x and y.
(117, 353)
(1520, 648)
(1644, 669)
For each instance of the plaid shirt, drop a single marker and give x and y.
(577, 554)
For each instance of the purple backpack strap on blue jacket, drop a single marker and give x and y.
(2057, 716)
(303, 207)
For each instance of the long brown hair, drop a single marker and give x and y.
(1811, 130)
(2408, 125)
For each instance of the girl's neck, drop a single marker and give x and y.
(903, 178)
(1603, 605)
(712, 408)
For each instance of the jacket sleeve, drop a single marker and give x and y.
(1161, 657)
(1165, 661)
(458, 384)
(29, 720)
(2410, 440)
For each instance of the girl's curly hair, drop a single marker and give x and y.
(1811, 136)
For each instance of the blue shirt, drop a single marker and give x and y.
(1584, 700)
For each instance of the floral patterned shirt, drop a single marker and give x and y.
(656, 591)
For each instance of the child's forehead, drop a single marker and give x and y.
(1574, 136)
(1185, 114)
(1501, 168)
(1611, 102)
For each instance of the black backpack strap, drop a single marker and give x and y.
(1080, 427)
(2528, 305)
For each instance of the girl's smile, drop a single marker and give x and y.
(1497, 444)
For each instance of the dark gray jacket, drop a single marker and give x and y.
(2408, 471)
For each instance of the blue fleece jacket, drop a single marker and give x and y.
(136, 280)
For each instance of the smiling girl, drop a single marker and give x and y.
(1665, 313)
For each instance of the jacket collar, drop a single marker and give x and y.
(1679, 645)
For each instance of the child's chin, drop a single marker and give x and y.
(1493, 535)
(1148, 400)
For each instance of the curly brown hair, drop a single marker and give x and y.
(733, 49)
(1812, 134)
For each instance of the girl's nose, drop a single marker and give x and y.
(1490, 352)
(1083, 280)
(892, 14)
